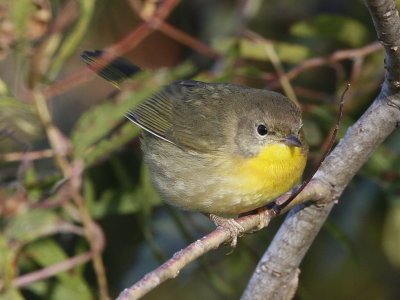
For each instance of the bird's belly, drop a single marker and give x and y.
(223, 185)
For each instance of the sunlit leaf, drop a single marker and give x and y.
(98, 121)
(72, 285)
(343, 29)
(11, 294)
(3, 88)
(114, 201)
(74, 37)
(18, 117)
(7, 259)
(290, 53)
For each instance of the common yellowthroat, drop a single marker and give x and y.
(221, 148)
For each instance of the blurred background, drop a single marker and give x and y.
(79, 217)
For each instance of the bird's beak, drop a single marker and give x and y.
(293, 141)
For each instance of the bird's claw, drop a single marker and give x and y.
(234, 227)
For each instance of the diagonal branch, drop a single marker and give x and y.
(315, 190)
(278, 267)
(129, 42)
(65, 265)
(277, 273)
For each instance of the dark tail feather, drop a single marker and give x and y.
(115, 72)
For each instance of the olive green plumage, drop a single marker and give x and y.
(199, 136)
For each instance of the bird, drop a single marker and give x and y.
(221, 149)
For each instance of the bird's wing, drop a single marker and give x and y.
(185, 113)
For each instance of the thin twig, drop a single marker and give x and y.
(68, 264)
(47, 272)
(189, 41)
(274, 58)
(387, 25)
(60, 144)
(21, 141)
(25, 162)
(314, 191)
(33, 155)
(180, 35)
(72, 171)
(277, 208)
(93, 232)
(129, 42)
(322, 61)
(61, 192)
(279, 264)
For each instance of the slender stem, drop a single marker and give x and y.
(129, 42)
(277, 208)
(171, 268)
(322, 61)
(33, 155)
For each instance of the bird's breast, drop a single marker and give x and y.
(274, 171)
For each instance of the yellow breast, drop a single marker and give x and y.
(277, 169)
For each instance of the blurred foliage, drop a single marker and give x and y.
(43, 223)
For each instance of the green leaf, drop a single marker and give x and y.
(116, 201)
(7, 260)
(71, 285)
(46, 252)
(3, 88)
(17, 116)
(100, 120)
(31, 225)
(290, 53)
(73, 40)
(287, 52)
(11, 294)
(20, 11)
(343, 29)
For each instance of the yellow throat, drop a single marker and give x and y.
(277, 169)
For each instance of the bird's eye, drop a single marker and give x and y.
(262, 130)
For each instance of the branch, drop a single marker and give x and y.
(33, 155)
(322, 61)
(315, 190)
(178, 35)
(50, 271)
(129, 42)
(63, 266)
(387, 25)
(276, 275)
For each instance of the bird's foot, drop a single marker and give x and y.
(263, 218)
(234, 227)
